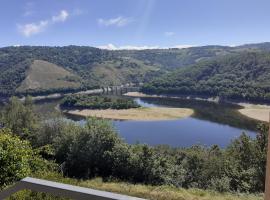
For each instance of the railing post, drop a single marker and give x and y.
(267, 176)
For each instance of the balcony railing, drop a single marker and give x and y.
(62, 190)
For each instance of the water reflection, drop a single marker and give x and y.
(212, 123)
(222, 113)
(178, 133)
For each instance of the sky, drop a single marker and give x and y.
(134, 24)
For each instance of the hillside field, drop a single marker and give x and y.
(43, 75)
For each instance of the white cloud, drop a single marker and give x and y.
(169, 33)
(132, 47)
(118, 21)
(33, 28)
(108, 46)
(30, 29)
(61, 17)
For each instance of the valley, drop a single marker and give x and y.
(75, 68)
(145, 100)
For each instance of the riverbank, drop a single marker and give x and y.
(138, 114)
(255, 111)
(140, 94)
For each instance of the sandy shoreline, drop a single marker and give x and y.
(140, 114)
(256, 111)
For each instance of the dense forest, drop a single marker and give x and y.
(93, 67)
(244, 76)
(82, 101)
(31, 146)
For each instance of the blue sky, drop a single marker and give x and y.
(134, 23)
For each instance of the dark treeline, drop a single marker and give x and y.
(82, 101)
(239, 77)
(95, 150)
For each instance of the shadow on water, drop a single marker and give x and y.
(211, 123)
(222, 113)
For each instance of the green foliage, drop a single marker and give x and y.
(94, 149)
(90, 148)
(19, 117)
(97, 102)
(17, 158)
(95, 67)
(242, 76)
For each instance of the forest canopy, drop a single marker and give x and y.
(245, 76)
(84, 101)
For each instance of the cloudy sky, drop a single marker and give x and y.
(134, 23)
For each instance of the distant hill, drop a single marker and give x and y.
(259, 46)
(43, 76)
(243, 76)
(91, 67)
(174, 58)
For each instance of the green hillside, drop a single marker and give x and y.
(43, 75)
(174, 58)
(245, 76)
(92, 67)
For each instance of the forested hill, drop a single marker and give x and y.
(28, 69)
(244, 76)
(22, 69)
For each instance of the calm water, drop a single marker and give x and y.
(178, 133)
(211, 124)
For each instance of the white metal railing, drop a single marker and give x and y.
(63, 190)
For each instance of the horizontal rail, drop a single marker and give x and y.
(63, 190)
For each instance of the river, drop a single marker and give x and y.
(212, 123)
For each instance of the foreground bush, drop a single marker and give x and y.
(17, 159)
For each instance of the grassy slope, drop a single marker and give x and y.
(143, 191)
(44, 75)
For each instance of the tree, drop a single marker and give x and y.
(20, 117)
(88, 152)
(16, 158)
